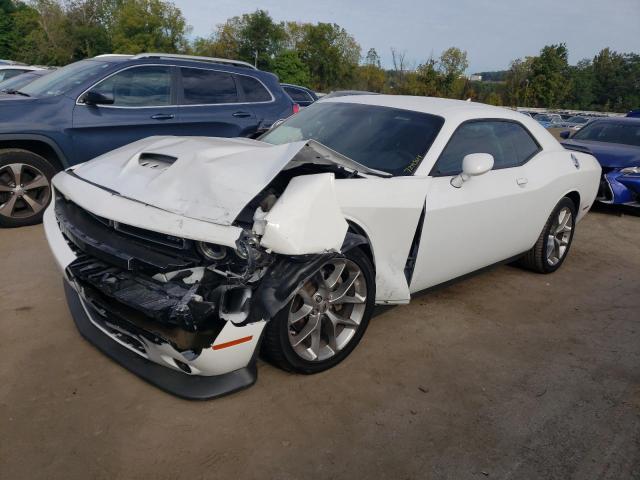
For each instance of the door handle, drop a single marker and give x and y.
(522, 181)
(242, 114)
(162, 116)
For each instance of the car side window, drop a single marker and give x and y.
(148, 86)
(509, 143)
(298, 95)
(254, 91)
(207, 87)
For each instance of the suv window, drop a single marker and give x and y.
(254, 91)
(205, 87)
(298, 95)
(138, 87)
(509, 142)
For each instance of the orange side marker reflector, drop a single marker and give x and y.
(232, 343)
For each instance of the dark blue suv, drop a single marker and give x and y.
(90, 107)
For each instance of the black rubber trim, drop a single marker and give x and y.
(190, 387)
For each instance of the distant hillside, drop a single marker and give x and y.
(497, 76)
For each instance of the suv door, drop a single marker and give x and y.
(212, 104)
(144, 105)
(486, 220)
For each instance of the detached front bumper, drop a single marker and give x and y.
(192, 387)
(225, 365)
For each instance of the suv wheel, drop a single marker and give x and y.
(25, 187)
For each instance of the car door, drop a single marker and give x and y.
(212, 104)
(485, 220)
(143, 105)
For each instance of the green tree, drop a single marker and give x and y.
(517, 81)
(452, 65)
(148, 26)
(331, 54)
(550, 81)
(290, 69)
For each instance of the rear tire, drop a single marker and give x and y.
(25, 187)
(330, 324)
(552, 246)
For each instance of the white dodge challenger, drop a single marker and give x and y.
(185, 256)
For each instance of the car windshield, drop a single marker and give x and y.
(611, 132)
(15, 83)
(388, 139)
(64, 79)
(578, 120)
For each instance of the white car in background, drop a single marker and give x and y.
(15, 69)
(184, 255)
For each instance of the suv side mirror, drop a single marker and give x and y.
(565, 134)
(473, 165)
(97, 98)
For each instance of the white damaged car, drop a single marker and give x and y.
(184, 257)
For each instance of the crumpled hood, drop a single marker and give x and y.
(205, 178)
(610, 155)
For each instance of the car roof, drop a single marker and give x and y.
(432, 105)
(19, 67)
(631, 120)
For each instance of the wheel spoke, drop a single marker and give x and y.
(5, 188)
(302, 312)
(38, 182)
(333, 278)
(344, 288)
(16, 170)
(339, 320)
(315, 342)
(9, 205)
(309, 328)
(332, 335)
(35, 206)
(356, 298)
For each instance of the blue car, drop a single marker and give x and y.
(615, 142)
(96, 105)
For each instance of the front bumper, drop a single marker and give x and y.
(222, 367)
(617, 188)
(192, 387)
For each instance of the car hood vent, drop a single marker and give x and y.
(155, 160)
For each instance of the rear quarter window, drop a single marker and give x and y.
(207, 87)
(254, 90)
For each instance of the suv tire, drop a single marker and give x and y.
(25, 187)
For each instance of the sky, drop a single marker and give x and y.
(493, 32)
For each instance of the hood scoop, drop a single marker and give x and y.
(155, 160)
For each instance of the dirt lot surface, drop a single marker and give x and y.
(508, 374)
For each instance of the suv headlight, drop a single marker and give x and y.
(211, 251)
(632, 170)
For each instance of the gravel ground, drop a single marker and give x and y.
(508, 374)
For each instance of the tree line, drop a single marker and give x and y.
(322, 56)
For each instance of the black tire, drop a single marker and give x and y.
(22, 214)
(536, 258)
(277, 349)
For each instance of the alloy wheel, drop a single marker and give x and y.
(24, 190)
(327, 311)
(559, 236)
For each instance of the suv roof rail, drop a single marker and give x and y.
(235, 63)
(113, 55)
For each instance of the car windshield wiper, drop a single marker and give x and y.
(16, 92)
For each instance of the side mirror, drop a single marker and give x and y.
(473, 165)
(565, 134)
(96, 98)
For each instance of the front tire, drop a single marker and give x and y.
(554, 242)
(25, 187)
(326, 319)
